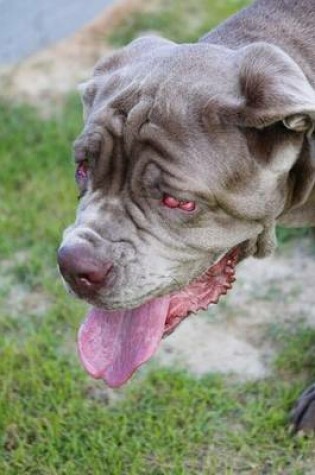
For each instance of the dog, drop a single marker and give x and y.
(189, 157)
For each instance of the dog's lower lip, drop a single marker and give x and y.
(216, 281)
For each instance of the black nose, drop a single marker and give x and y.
(82, 269)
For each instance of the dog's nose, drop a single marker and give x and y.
(82, 269)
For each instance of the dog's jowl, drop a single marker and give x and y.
(189, 157)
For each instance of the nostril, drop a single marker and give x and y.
(95, 277)
(80, 266)
(92, 279)
(84, 279)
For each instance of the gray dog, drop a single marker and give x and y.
(189, 156)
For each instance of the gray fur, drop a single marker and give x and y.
(226, 122)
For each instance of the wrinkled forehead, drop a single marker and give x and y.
(174, 78)
(150, 101)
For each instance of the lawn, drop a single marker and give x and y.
(55, 420)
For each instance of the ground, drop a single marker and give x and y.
(232, 337)
(216, 398)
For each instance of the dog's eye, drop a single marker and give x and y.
(171, 202)
(187, 205)
(81, 174)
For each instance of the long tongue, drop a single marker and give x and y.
(112, 345)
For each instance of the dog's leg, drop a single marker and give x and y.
(303, 413)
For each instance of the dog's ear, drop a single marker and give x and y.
(110, 70)
(272, 88)
(87, 91)
(141, 47)
(271, 97)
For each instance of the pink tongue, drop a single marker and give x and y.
(112, 345)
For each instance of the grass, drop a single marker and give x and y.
(178, 20)
(53, 419)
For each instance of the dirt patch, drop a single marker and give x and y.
(201, 346)
(21, 301)
(232, 337)
(46, 76)
(17, 298)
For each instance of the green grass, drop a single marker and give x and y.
(285, 235)
(178, 20)
(54, 420)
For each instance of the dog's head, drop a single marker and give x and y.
(188, 156)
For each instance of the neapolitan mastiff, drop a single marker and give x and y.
(190, 155)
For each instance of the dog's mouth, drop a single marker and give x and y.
(113, 344)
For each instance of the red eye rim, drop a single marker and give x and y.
(81, 174)
(188, 206)
(170, 202)
(173, 203)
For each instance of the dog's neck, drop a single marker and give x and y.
(288, 24)
(302, 213)
(303, 216)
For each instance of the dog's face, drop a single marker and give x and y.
(188, 156)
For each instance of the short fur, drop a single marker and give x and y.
(226, 122)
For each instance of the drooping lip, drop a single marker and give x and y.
(217, 281)
(113, 344)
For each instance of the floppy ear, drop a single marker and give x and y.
(87, 92)
(110, 67)
(273, 88)
(141, 47)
